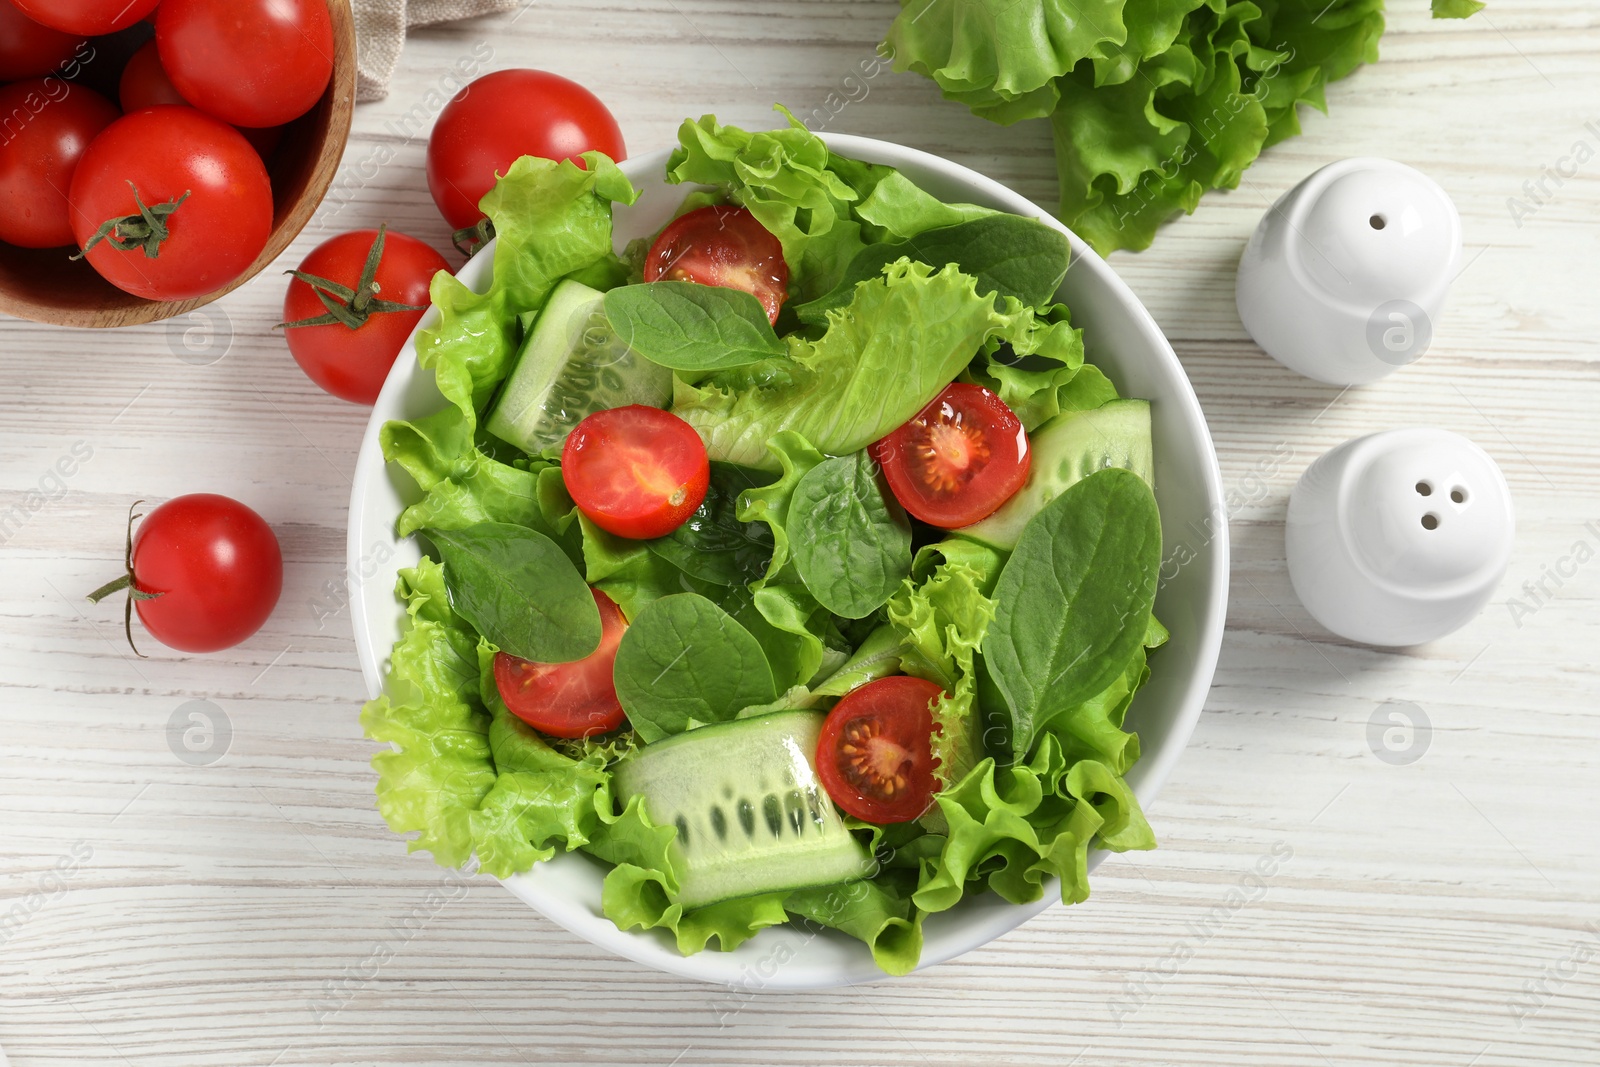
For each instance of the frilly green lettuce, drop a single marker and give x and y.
(1011, 828)
(1001, 57)
(855, 383)
(638, 891)
(551, 220)
(1031, 369)
(942, 612)
(464, 775)
(791, 183)
(1152, 102)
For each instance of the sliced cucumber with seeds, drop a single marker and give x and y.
(751, 814)
(572, 365)
(1068, 448)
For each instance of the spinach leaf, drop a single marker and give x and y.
(713, 545)
(1008, 254)
(520, 590)
(684, 662)
(692, 328)
(1073, 602)
(851, 544)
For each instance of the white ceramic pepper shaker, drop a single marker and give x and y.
(1345, 275)
(1400, 537)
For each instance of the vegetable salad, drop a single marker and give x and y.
(809, 577)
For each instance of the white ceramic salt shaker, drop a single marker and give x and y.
(1400, 537)
(1345, 275)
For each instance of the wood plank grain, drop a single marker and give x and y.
(1436, 912)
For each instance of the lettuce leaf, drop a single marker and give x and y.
(464, 774)
(791, 183)
(1011, 828)
(1151, 102)
(1001, 57)
(855, 383)
(441, 767)
(870, 912)
(898, 209)
(942, 613)
(551, 220)
(1032, 369)
(769, 504)
(462, 485)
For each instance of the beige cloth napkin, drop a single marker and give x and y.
(381, 27)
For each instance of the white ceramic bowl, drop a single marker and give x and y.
(1122, 339)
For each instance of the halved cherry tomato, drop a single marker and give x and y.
(958, 459)
(636, 471)
(722, 245)
(875, 754)
(567, 699)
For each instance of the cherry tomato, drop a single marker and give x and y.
(722, 245)
(204, 573)
(567, 699)
(28, 49)
(636, 471)
(958, 459)
(505, 115)
(349, 353)
(248, 62)
(49, 126)
(171, 156)
(93, 17)
(875, 754)
(145, 83)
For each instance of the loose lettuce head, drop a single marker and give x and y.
(1152, 102)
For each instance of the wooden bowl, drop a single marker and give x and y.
(43, 284)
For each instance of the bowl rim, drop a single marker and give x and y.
(544, 891)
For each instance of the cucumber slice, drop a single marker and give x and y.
(1069, 447)
(752, 817)
(572, 365)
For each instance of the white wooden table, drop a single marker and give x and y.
(1438, 906)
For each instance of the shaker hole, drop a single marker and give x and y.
(1459, 495)
(1424, 489)
(1378, 222)
(1430, 521)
